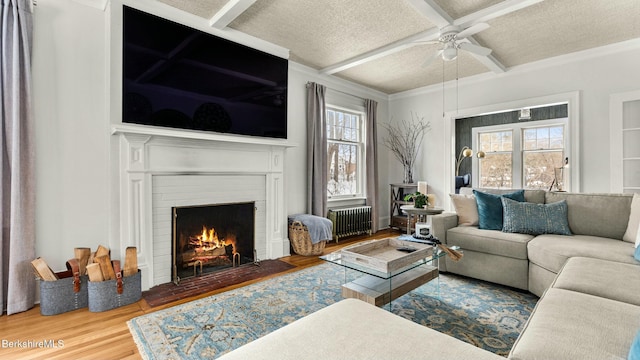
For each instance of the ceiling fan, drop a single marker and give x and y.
(450, 38)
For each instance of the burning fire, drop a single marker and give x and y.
(208, 241)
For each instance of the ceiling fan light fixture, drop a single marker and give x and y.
(449, 53)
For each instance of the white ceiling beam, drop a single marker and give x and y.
(388, 49)
(229, 12)
(492, 12)
(433, 12)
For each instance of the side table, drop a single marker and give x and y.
(422, 214)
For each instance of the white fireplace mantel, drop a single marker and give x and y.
(146, 152)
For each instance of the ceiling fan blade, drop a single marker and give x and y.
(427, 42)
(472, 48)
(432, 57)
(473, 29)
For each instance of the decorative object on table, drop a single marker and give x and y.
(558, 176)
(453, 254)
(423, 187)
(404, 139)
(419, 199)
(466, 152)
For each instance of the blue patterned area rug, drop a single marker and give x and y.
(483, 314)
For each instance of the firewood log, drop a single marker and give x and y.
(94, 272)
(131, 261)
(101, 251)
(43, 270)
(105, 266)
(82, 255)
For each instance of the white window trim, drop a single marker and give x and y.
(516, 151)
(573, 102)
(354, 199)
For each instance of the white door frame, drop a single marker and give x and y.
(571, 98)
(616, 103)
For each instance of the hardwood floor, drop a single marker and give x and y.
(82, 334)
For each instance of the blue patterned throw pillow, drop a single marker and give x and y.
(634, 352)
(535, 219)
(637, 255)
(490, 208)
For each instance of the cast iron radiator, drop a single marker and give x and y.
(349, 221)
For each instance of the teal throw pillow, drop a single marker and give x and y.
(634, 352)
(490, 208)
(535, 219)
(637, 254)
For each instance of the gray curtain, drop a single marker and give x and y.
(16, 141)
(316, 150)
(371, 160)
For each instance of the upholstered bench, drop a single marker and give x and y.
(352, 329)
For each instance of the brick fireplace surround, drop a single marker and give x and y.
(156, 169)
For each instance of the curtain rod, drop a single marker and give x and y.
(340, 91)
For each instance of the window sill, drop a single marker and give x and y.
(346, 201)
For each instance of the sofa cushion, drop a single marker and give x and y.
(633, 226)
(490, 208)
(601, 278)
(604, 215)
(489, 241)
(466, 209)
(552, 251)
(571, 325)
(535, 219)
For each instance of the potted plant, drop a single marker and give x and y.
(419, 199)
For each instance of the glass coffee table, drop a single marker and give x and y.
(380, 288)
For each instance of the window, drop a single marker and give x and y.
(543, 151)
(345, 153)
(496, 168)
(521, 155)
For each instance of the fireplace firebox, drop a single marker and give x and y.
(208, 238)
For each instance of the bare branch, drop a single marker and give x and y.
(404, 138)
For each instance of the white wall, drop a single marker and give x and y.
(72, 130)
(594, 74)
(71, 71)
(73, 81)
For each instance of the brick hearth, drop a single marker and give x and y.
(166, 293)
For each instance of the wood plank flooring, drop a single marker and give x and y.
(82, 334)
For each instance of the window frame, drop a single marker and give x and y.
(517, 152)
(361, 153)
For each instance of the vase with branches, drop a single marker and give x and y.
(404, 139)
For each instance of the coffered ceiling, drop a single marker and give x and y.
(384, 44)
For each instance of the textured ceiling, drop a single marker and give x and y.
(329, 33)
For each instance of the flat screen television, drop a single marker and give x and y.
(179, 77)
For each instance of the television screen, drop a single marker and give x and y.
(176, 76)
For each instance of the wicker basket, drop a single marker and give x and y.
(301, 241)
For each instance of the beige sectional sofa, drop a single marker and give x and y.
(597, 221)
(589, 284)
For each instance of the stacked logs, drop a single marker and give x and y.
(97, 265)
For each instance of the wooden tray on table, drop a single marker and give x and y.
(383, 255)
